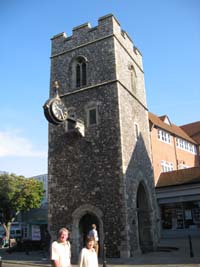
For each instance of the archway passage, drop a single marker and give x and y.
(85, 226)
(144, 220)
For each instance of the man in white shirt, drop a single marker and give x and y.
(93, 233)
(61, 250)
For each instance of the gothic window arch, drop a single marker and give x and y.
(133, 78)
(80, 71)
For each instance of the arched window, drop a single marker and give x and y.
(81, 72)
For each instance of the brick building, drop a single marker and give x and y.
(103, 174)
(175, 153)
(172, 148)
(193, 130)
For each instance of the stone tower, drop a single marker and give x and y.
(101, 173)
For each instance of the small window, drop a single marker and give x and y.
(92, 116)
(136, 131)
(164, 136)
(167, 166)
(132, 78)
(92, 113)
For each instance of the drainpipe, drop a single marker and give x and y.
(174, 141)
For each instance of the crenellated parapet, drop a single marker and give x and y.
(108, 26)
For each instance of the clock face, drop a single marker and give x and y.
(59, 111)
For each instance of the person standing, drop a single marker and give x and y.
(88, 255)
(61, 250)
(93, 233)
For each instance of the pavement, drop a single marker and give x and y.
(170, 252)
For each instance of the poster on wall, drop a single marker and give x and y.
(188, 215)
(36, 232)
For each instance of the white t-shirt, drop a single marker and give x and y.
(62, 253)
(88, 258)
(94, 234)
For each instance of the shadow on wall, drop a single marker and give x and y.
(141, 200)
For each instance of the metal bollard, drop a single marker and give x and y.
(104, 256)
(191, 249)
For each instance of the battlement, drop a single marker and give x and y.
(83, 34)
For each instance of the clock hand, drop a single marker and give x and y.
(61, 111)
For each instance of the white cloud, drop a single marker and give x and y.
(13, 144)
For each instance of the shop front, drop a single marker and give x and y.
(179, 206)
(180, 215)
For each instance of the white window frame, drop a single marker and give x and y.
(164, 136)
(166, 166)
(185, 145)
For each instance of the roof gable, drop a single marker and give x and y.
(172, 128)
(193, 130)
(165, 119)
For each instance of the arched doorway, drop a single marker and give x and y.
(144, 219)
(85, 226)
(83, 218)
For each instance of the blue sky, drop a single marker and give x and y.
(166, 32)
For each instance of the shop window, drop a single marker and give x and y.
(183, 215)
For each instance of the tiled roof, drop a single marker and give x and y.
(179, 177)
(193, 130)
(172, 128)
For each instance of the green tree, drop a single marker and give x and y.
(17, 194)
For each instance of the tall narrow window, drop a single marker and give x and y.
(78, 75)
(136, 131)
(81, 72)
(92, 116)
(84, 73)
(132, 78)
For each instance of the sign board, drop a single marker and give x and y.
(36, 232)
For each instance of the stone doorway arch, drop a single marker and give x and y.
(85, 226)
(144, 214)
(82, 218)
